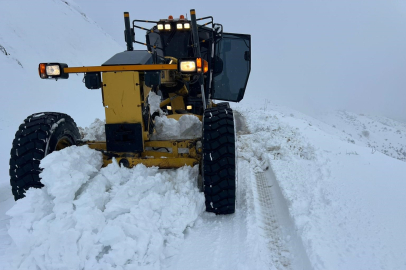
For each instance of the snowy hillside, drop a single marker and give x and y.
(56, 32)
(307, 198)
(46, 31)
(378, 133)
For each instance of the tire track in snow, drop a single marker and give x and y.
(285, 246)
(226, 242)
(285, 234)
(271, 212)
(268, 218)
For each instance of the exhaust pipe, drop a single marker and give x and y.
(128, 32)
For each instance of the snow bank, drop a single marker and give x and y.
(110, 218)
(343, 198)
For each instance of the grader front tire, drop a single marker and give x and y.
(219, 168)
(38, 136)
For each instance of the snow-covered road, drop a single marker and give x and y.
(245, 240)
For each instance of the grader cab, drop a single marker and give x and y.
(188, 66)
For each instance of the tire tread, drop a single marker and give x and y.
(28, 148)
(219, 160)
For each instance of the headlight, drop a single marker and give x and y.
(167, 26)
(53, 70)
(160, 27)
(187, 66)
(186, 26)
(193, 65)
(179, 26)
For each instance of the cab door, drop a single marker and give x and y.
(233, 63)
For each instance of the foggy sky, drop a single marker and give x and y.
(309, 55)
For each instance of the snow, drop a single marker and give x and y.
(34, 32)
(61, 33)
(154, 102)
(93, 218)
(378, 133)
(342, 197)
(312, 193)
(95, 132)
(188, 127)
(307, 198)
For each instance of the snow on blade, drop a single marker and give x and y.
(154, 103)
(188, 127)
(110, 218)
(95, 132)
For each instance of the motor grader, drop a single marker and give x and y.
(189, 65)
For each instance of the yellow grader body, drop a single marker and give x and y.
(185, 67)
(124, 93)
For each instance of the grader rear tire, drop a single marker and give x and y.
(38, 136)
(219, 168)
